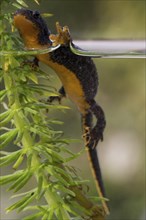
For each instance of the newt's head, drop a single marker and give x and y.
(32, 28)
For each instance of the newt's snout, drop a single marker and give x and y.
(32, 28)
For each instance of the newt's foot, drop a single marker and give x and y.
(62, 37)
(96, 136)
(98, 212)
(54, 98)
(87, 136)
(92, 137)
(32, 63)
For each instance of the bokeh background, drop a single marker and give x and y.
(121, 95)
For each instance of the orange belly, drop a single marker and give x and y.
(70, 82)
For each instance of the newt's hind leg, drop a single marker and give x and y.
(98, 129)
(58, 98)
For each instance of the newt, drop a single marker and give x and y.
(79, 79)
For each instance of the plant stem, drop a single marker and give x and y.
(27, 142)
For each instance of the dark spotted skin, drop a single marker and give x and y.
(79, 79)
(83, 67)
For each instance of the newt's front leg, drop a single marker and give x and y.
(58, 98)
(62, 37)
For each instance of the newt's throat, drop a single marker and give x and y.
(28, 31)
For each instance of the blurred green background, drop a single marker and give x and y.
(121, 94)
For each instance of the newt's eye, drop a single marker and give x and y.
(36, 14)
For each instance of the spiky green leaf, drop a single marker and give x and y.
(7, 137)
(12, 156)
(21, 181)
(11, 177)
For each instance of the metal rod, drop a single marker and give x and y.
(110, 48)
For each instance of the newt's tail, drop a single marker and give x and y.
(95, 167)
(92, 135)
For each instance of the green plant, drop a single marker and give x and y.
(40, 149)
